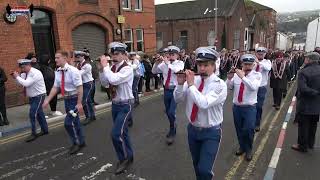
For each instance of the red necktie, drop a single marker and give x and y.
(240, 95)
(258, 68)
(24, 88)
(168, 79)
(195, 108)
(62, 83)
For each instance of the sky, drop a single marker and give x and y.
(278, 5)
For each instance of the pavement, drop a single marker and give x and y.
(47, 158)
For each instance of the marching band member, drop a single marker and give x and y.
(69, 83)
(135, 63)
(280, 73)
(34, 88)
(245, 84)
(120, 77)
(263, 66)
(86, 74)
(168, 67)
(204, 96)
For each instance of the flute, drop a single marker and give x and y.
(196, 74)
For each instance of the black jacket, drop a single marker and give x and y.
(3, 77)
(280, 83)
(48, 76)
(308, 90)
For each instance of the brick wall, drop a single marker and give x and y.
(17, 38)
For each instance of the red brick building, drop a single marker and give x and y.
(262, 27)
(192, 24)
(74, 24)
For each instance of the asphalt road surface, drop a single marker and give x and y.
(47, 157)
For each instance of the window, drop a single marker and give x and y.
(126, 4)
(140, 44)
(88, 1)
(128, 39)
(184, 39)
(138, 5)
(159, 40)
(236, 39)
(262, 37)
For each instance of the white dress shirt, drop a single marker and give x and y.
(163, 68)
(251, 85)
(122, 79)
(210, 101)
(135, 66)
(218, 61)
(72, 78)
(264, 68)
(86, 73)
(34, 83)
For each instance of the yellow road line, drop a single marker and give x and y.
(59, 124)
(260, 148)
(240, 159)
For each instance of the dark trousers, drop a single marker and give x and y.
(36, 113)
(3, 111)
(156, 81)
(72, 124)
(148, 78)
(204, 145)
(53, 102)
(170, 105)
(93, 92)
(260, 97)
(120, 135)
(135, 84)
(140, 85)
(307, 128)
(87, 100)
(277, 96)
(244, 121)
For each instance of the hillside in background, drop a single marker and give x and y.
(296, 22)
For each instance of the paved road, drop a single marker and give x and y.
(47, 157)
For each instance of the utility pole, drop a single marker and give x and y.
(216, 21)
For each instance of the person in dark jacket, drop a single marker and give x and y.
(3, 111)
(190, 63)
(34, 62)
(308, 100)
(148, 73)
(280, 74)
(48, 75)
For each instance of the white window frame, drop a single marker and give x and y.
(129, 5)
(184, 38)
(140, 5)
(141, 40)
(236, 39)
(131, 39)
(159, 39)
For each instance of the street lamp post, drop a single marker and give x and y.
(216, 20)
(315, 41)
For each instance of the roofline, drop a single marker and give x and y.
(169, 20)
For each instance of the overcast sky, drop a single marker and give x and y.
(278, 5)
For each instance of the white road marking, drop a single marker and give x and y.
(101, 170)
(84, 163)
(30, 157)
(37, 166)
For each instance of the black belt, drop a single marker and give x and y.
(205, 128)
(122, 102)
(38, 95)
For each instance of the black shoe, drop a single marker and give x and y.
(257, 129)
(86, 122)
(74, 149)
(296, 147)
(122, 166)
(95, 103)
(130, 123)
(42, 133)
(1, 123)
(274, 105)
(31, 138)
(93, 118)
(277, 108)
(239, 152)
(6, 122)
(170, 140)
(249, 156)
(81, 146)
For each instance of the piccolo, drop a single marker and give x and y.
(196, 74)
